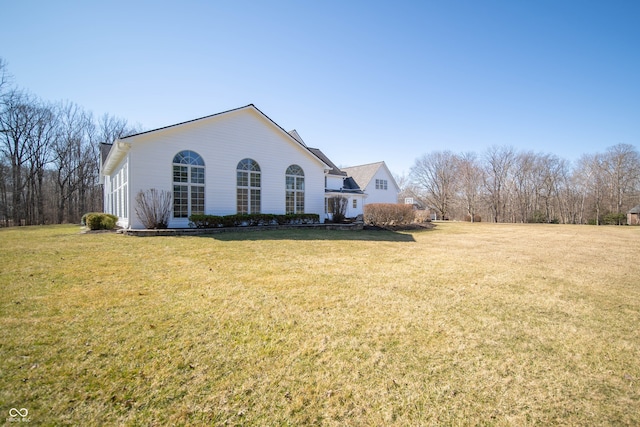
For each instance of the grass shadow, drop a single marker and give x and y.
(313, 234)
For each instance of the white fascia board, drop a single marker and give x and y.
(115, 156)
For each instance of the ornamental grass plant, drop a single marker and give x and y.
(464, 324)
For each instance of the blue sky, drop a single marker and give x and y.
(362, 80)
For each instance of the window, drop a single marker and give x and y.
(248, 186)
(381, 184)
(188, 184)
(294, 184)
(118, 192)
(355, 203)
(329, 205)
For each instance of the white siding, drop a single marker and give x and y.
(390, 195)
(354, 212)
(223, 141)
(335, 182)
(116, 193)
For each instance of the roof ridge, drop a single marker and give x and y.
(195, 120)
(366, 164)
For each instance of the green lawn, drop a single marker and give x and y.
(466, 324)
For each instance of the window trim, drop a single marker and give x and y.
(382, 184)
(249, 196)
(195, 178)
(297, 190)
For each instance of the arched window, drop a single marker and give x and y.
(294, 200)
(248, 186)
(188, 184)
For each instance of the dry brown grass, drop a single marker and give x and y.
(466, 324)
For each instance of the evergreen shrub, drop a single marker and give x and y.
(100, 221)
(251, 220)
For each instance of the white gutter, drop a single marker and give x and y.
(115, 156)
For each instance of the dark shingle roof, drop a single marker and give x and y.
(319, 154)
(104, 151)
(350, 184)
(635, 210)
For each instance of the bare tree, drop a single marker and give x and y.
(154, 208)
(5, 169)
(42, 138)
(5, 82)
(49, 157)
(592, 174)
(408, 190)
(110, 128)
(19, 121)
(436, 175)
(622, 165)
(524, 184)
(5, 173)
(337, 207)
(74, 127)
(471, 177)
(499, 161)
(569, 196)
(552, 168)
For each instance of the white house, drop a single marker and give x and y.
(237, 161)
(338, 184)
(376, 181)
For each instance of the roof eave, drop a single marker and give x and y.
(117, 153)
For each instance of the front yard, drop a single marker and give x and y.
(464, 324)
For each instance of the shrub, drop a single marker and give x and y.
(385, 214)
(421, 216)
(153, 208)
(337, 207)
(539, 217)
(100, 221)
(614, 219)
(303, 218)
(83, 220)
(251, 220)
(205, 221)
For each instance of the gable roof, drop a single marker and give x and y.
(334, 169)
(350, 184)
(363, 174)
(294, 133)
(635, 210)
(122, 145)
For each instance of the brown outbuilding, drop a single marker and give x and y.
(633, 216)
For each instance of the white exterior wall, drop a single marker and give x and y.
(223, 141)
(116, 193)
(335, 182)
(390, 195)
(351, 211)
(358, 210)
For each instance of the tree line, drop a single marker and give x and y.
(50, 165)
(506, 185)
(49, 157)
